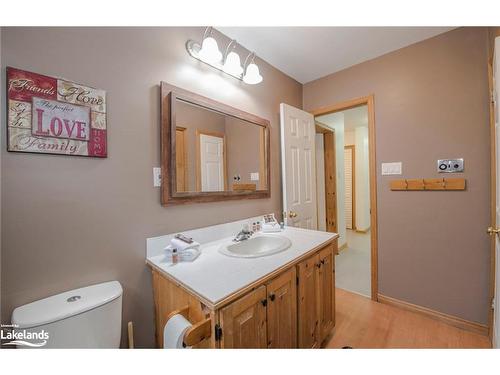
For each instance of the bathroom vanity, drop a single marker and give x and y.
(282, 300)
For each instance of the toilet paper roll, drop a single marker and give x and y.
(173, 333)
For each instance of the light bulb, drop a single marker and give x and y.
(210, 50)
(232, 65)
(252, 75)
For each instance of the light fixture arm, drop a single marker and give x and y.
(208, 31)
(252, 55)
(231, 43)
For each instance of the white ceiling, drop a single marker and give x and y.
(309, 53)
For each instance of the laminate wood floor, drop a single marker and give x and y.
(362, 323)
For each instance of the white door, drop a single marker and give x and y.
(211, 163)
(298, 167)
(496, 88)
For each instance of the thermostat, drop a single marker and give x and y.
(450, 165)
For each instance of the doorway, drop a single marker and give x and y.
(352, 124)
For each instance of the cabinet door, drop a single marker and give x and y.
(326, 282)
(308, 297)
(243, 322)
(282, 311)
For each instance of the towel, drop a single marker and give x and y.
(181, 245)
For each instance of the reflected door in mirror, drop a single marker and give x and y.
(212, 165)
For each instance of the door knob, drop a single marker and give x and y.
(492, 230)
(292, 214)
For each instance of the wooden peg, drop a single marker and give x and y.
(398, 185)
(455, 184)
(416, 184)
(434, 184)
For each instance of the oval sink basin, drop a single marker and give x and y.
(258, 246)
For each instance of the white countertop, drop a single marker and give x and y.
(214, 276)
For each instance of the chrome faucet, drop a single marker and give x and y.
(243, 235)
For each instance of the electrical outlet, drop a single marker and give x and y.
(254, 176)
(450, 165)
(156, 177)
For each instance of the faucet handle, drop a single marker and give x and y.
(246, 229)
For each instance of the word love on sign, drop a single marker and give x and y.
(55, 116)
(60, 120)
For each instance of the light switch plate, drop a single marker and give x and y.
(156, 177)
(392, 168)
(254, 176)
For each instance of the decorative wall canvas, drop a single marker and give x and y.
(54, 116)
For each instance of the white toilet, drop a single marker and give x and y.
(88, 317)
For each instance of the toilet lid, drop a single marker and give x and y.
(65, 305)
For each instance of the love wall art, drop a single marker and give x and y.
(55, 116)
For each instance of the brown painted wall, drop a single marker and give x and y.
(68, 221)
(431, 101)
(243, 150)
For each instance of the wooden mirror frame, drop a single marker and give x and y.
(169, 195)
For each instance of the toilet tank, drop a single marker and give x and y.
(88, 317)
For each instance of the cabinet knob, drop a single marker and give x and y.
(322, 261)
(272, 297)
(318, 264)
(264, 302)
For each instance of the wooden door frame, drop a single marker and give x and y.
(369, 102)
(327, 132)
(184, 156)
(198, 155)
(353, 183)
(493, 187)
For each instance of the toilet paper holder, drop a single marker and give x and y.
(198, 332)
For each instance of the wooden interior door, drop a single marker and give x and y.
(308, 301)
(326, 289)
(282, 311)
(330, 167)
(243, 322)
(298, 167)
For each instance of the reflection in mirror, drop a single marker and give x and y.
(217, 152)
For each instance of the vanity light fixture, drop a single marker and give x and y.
(232, 64)
(252, 75)
(209, 53)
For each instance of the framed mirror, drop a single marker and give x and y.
(211, 151)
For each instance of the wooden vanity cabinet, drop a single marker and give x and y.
(282, 311)
(326, 289)
(264, 318)
(308, 299)
(316, 298)
(244, 321)
(295, 308)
